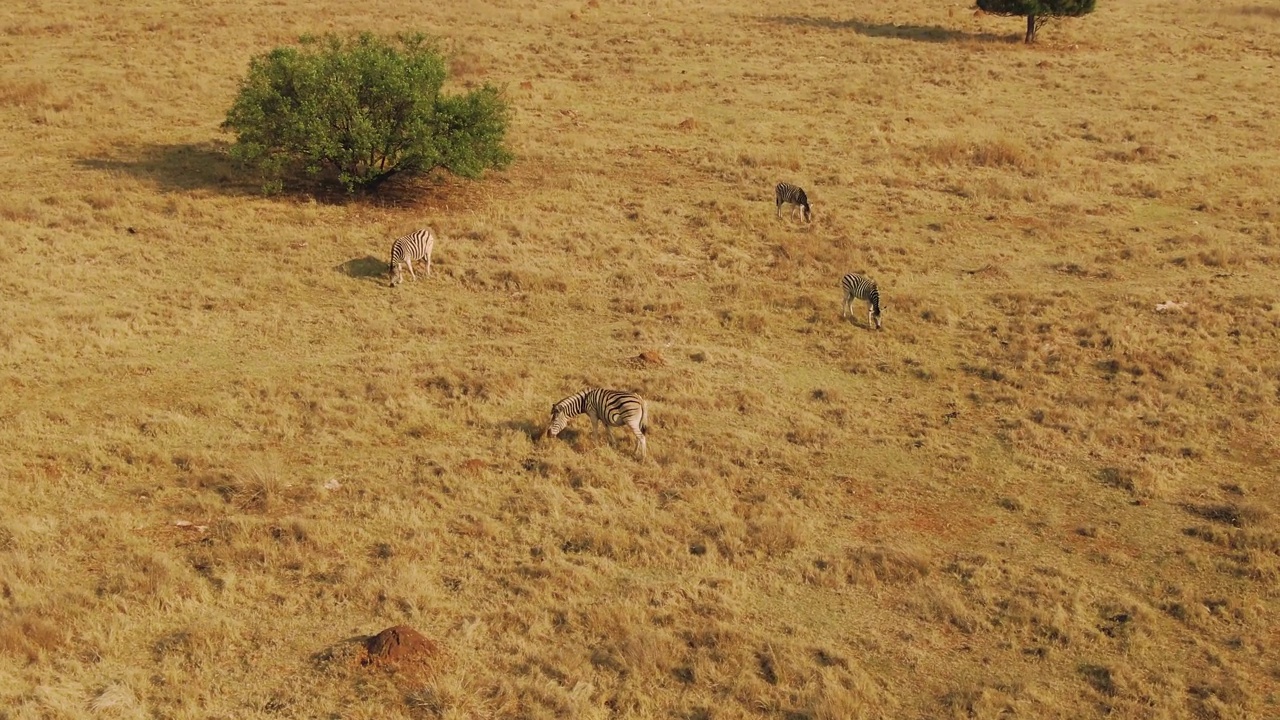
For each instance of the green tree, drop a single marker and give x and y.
(1037, 12)
(361, 110)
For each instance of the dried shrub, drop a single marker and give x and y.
(1240, 515)
(22, 93)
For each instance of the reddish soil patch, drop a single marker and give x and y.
(939, 523)
(400, 648)
(649, 357)
(473, 465)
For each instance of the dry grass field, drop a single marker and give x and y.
(228, 451)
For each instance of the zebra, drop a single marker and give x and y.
(414, 246)
(857, 287)
(615, 408)
(786, 193)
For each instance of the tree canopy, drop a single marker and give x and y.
(1037, 12)
(360, 110)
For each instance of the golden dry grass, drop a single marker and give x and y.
(229, 448)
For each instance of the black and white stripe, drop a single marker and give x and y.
(857, 287)
(615, 408)
(414, 246)
(786, 193)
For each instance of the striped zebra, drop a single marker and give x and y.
(857, 287)
(786, 193)
(414, 246)
(614, 408)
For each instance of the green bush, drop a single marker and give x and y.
(360, 110)
(1037, 12)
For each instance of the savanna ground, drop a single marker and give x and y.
(229, 449)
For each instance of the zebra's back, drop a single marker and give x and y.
(414, 246)
(615, 407)
(860, 287)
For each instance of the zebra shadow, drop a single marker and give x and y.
(920, 33)
(365, 267)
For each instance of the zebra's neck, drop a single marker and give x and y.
(575, 404)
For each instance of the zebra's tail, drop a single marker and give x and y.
(644, 417)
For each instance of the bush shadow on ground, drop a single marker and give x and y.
(208, 166)
(921, 33)
(181, 167)
(365, 267)
(1259, 10)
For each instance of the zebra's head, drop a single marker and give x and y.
(559, 418)
(875, 314)
(394, 271)
(808, 213)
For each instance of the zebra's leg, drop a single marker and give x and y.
(779, 208)
(409, 262)
(642, 448)
(428, 262)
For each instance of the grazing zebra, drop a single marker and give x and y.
(857, 287)
(614, 408)
(414, 246)
(786, 193)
